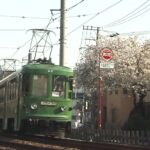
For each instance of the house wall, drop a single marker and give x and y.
(119, 104)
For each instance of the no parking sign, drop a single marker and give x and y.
(106, 54)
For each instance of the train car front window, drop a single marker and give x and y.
(58, 86)
(39, 87)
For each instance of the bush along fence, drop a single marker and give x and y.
(112, 136)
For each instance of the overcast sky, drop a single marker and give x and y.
(19, 16)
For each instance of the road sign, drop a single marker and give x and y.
(106, 54)
(106, 65)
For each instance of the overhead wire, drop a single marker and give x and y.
(24, 29)
(134, 17)
(22, 17)
(74, 5)
(133, 14)
(95, 15)
(30, 40)
(53, 19)
(50, 21)
(13, 29)
(66, 10)
(82, 15)
(18, 48)
(109, 7)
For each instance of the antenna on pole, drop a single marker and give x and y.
(62, 59)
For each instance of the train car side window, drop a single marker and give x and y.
(39, 87)
(12, 87)
(2, 94)
(70, 87)
(26, 79)
(58, 86)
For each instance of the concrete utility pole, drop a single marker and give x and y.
(91, 28)
(100, 107)
(62, 60)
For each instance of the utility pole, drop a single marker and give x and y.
(91, 28)
(62, 59)
(97, 29)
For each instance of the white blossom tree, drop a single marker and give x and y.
(132, 65)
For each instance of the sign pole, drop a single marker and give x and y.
(99, 99)
(105, 55)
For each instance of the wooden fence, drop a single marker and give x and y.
(112, 136)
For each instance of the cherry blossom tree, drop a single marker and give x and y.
(132, 66)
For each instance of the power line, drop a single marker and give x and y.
(95, 15)
(18, 48)
(114, 4)
(22, 17)
(24, 29)
(13, 29)
(133, 14)
(5, 47)
(134, 17)
(74, 5)
(82, 15)
(68, 9)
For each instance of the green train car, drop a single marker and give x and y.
(37, 98)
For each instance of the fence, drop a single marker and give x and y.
(112, 136)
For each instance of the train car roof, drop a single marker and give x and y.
(46, 67)
(10, 77)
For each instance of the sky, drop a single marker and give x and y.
(18, 17)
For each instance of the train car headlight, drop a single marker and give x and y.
(62, 108)
(33, 106)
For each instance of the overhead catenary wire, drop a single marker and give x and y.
(18, 48)
(66, 10)
(134, 17)
(74, 5)
(93, 17)
(51, 20)
(133, 14)
(109, 7)
(23, 17)
(25, 29)
(82, 24)
(46, 27)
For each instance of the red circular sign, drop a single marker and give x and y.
(107, 54)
